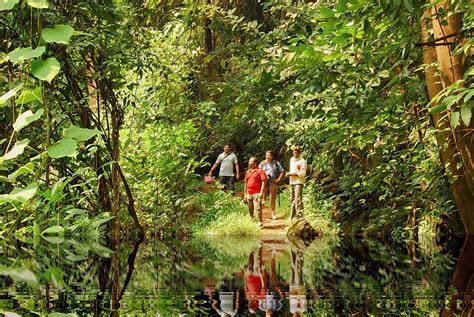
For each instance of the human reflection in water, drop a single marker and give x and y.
(262, 290)
(228, 303)
(254, 280)
(271, 300)
(298, 302)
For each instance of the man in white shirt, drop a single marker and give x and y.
(226, 173)
(297, 175)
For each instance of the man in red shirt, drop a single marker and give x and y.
(255, 180)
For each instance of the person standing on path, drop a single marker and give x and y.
(275, 173)
(228, 161)
(255, 180)
(297, 175)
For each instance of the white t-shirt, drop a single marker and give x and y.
(297, 166)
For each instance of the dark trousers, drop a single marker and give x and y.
(228, 182)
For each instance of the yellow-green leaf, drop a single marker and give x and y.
(26, 118)
(60, 33)
(21, 54)
(9, 94)
(7, 4)
(45, 69)
(65, 147)
(17, 149)
(80, 134)
(38, 4)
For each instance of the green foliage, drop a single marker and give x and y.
(222, 214)
(162, 163)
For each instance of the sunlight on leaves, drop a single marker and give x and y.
(45, 69)
(21, 54)
(65, 147)
(60, 33)
(9, 94)
(80, 134)
(26, 118)
(7, 4)
(38, 4)
(17, 149)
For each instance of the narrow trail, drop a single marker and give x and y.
(272, 227)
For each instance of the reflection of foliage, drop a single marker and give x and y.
(370, 272)
(222, 257)
(319, 260)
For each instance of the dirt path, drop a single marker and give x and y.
(270, 226)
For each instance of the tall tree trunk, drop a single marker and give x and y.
(456, 146)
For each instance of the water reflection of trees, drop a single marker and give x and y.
(214, 276)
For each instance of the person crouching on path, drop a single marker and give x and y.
(255, 181)
(275, 173)
(297, 175)
(228, 160)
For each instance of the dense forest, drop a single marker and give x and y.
(112, 111)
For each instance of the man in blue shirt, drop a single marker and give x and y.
(275, 173)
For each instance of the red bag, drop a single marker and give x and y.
(208, 179)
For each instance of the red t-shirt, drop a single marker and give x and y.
(254, 179)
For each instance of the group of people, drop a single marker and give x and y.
(261, 180)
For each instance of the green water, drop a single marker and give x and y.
(215, 276)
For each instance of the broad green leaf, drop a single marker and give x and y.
(20, 195)
(29, 96)
(466, 114)
(437, 109)
(25, 169)
(45, 69)
(54, 314)
(17, 149)
(61, 33)
(38, 4)
(455, 119)
(54, 230)
(7, 4)
(9, 94)
(26, 118)
(21, 54)
(326, 12)
(80, 134)
(65, 147)
(19, 274)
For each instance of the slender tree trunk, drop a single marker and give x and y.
(456, 146)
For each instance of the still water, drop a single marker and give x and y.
(266, 276)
